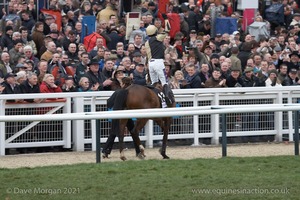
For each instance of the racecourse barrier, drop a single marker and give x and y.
(80, 134)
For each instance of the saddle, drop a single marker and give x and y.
(160, 94)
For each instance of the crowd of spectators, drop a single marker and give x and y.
(38, 57)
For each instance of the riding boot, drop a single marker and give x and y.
(169, 96)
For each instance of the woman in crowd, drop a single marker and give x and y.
(215, 81)
(176, 81)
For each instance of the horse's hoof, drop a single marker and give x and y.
(123, 158)
(166, 157)
(105, 155)
(141, 156)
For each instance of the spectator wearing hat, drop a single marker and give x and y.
(97, 79)
(293, 62)
(250, 80)
(20, 67)
(296, 19)
(69, 85)
(234, 79)
(38, 37)
(217, 41)
(191, 39)
(292, 78)
(6, 39)
(29, 64)
(10, 85)
(139, 74)
(86, 8)
(54, 35)
(49, 19)
(214, 61)
(136, 58)
(273, 79)
(118, 75)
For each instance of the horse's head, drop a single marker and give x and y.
(158, 86)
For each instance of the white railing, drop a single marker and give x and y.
(189, 124)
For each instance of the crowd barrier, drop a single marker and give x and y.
(80, 134)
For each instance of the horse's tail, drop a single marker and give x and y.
(121, 99)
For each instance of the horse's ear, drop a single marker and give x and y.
(148, 79)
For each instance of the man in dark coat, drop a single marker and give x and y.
(234, 80)
(10, 86)
(95, 76)
(27, 21)
(6, 39)
(30, 86)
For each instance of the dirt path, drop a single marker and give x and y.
(183, 152)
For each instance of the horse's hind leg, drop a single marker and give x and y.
(140, 123)
(165, 125)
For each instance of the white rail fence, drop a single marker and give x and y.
(65, 122)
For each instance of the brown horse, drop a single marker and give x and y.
(141, 97)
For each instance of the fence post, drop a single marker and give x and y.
(2, 129)
(149, 134)
(224, 136)
(296, 141)
(215, 119)
(196, 123)
(93, 124)
(278, 119)
(290, 118)
(67, 124)
(78, 125)
(97, 141)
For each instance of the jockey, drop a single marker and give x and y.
(155, 54)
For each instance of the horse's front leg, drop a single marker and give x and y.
(121, 139)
